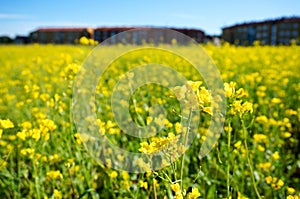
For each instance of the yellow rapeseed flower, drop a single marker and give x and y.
(241, 93)
(260, 148)
(27, 152)
(6, 124)
(260, 138)
(238, 144)
(268, 179)
(292, 197)
(275, 100)
(176, 188)
(261, 119)
(276, 155)
(195, 85)
(280, 183)
(157, 144)
(194, 194)
(57, 194)
(143, 184)
(266, 165)
(291, 190)
(52, 175)
(113, 174)
(240, 196)
(240, 108)
(229, 89)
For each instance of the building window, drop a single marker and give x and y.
(112, 38)
(295, 33)
(56, 37)
(264, 34)
(70, 37)
(287, 41)
(34, 35)
(258, 35)
(134, 37)
(274, 28)
(258, 28)
(295, 25)
(199, 37)
(281, 33)
(43, 37)
(265, 27)
(97, 35)
(62, 37)
(104, 35)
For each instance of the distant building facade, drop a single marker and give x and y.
(196, 34)
(269, 32)
(22, 40)
(70, 35)
(60, 35)
(103, 33)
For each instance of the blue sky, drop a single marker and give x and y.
(22, 16)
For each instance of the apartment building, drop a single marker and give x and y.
(268, 32)
(60, 35)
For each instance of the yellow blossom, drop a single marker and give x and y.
(229, 89)
(291, 190)
(241, 93)
(176, 188)
(21, 135)
(194, 194)
(260, 148)
(280, 183)
(240, 196)
(292, 197)
(261, 119)
(143, 184)
(275, 100)
(178, 196)
(157, 144)
(113, 174)
(208, 110)
(52, 175)
(238, 144)
(125, 175)
(259, 138)
(268, 179)
(27, 152)
(276, 155)
(6, 124)
(195, 85)
(240, 108)
(57, 194)
(204, 96)
(35, 134)
(266, 165)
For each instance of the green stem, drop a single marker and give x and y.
(185, 143)
(248, 159)
(228, 160)
(154, 190)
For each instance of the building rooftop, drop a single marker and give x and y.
(60, 29)
(283, 19)
(141, 27)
